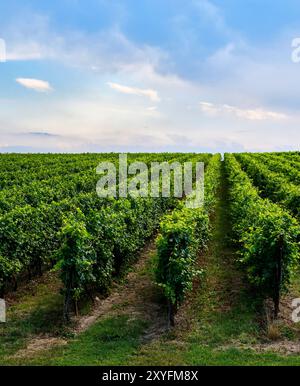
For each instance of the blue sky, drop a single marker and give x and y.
(149, 75)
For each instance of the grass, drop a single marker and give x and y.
(218, 325)
(226, 321)
(109, 342)
(38, 312)
(35, 310)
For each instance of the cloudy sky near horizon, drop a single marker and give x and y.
(149, 75)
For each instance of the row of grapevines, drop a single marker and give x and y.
(65, 185)
(280, 165)
(96, 246)
(293, 161)
(272, 185)
(56, 188)
(18, 173)
(183, 233)
(267, 233)
(34, 162)
(31, 236)
(43, 172)
(293, 155)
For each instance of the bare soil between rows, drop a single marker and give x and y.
(136, 295)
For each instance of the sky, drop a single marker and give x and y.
(149, 75)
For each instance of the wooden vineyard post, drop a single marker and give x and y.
(67, 305)
(172, 309)
(278, 277)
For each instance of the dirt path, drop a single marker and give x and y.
(222, 283)
(230, 292)
(219, 315)
(137, 296)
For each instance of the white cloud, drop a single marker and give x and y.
(209, 11)
(255, 115)
(24, 52)
(35, 84)
(208, 108)
(256, 73)
(151, 94)
(258, 114)
(107, 50)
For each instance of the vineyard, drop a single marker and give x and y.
(149, 280)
